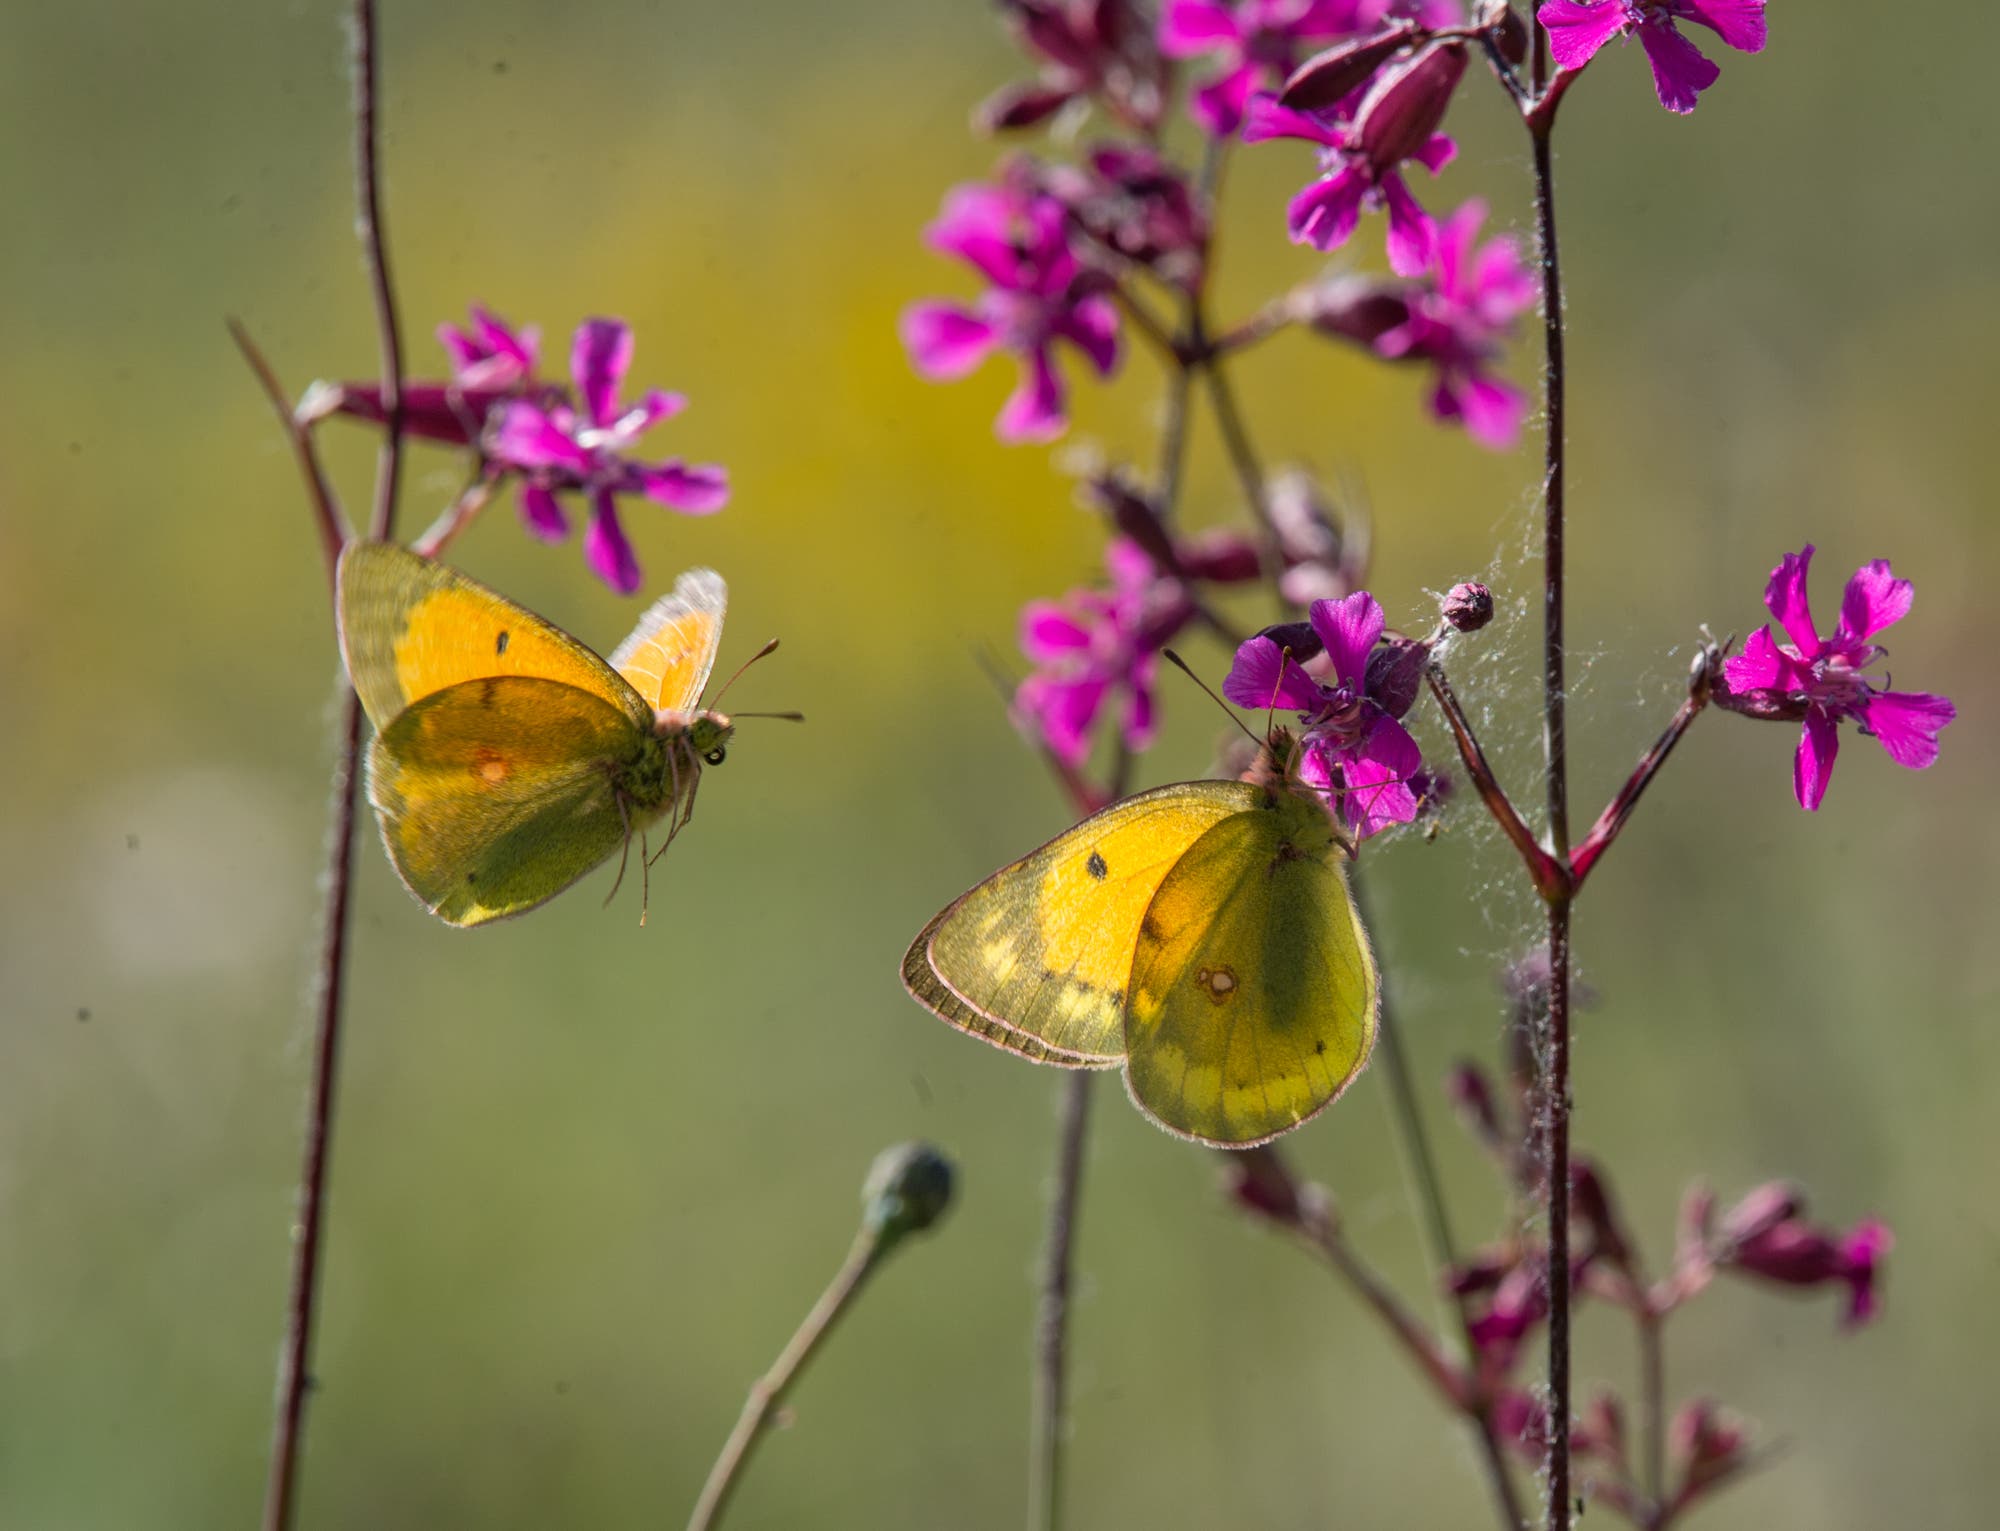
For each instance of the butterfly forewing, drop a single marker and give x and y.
(411, 626)
(1044, 947)
(929, 990)
(668, 658)
(497, 794)
(1254, 990)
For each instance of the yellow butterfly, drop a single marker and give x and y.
(509, 759)
(1200, 935)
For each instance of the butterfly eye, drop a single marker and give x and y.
(716, 756)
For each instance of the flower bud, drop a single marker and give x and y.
(1510, 32)
(1258, 1181)
(1761, 1210)
(1326, 79)
(1407, 103)
(1707, 1445)
(1468, 606)
(908, 1188)
(1395, 674)
(1471, 1093)
(1593, 1204)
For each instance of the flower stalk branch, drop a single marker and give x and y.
(295, 1363)
(1612, 820)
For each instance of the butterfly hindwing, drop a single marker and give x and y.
(1043, 948)
(410, 626)
(1254, 992)
(668, 658)
(498, 793)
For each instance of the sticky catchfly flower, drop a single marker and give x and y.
(1017, 236)
(1361, 157)
(558, 448)
(491, 364)
(1094, 644)
(1354, 747)
(1256, 43)
(1821, 679)
(1681, 71)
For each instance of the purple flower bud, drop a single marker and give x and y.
(1258, 1181)
(1468, 606)
(1603, 1424)
(1767, 1236)
(1395, 675)
(1406, 105)
(1761, 1210)
(1221, 557)
(1322, 563)
(1326, 79)
(1706, 1445)
(1592, 1203)
(1471, 1094)
(1510, 32)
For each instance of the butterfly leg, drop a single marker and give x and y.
(625, 819)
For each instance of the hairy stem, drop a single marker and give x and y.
(1428, 1189)
(1049, 1420)
(327, 518)
(295, 1362)
(768, 1393)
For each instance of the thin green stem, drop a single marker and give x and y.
(1050, 1418)
(768, 1393)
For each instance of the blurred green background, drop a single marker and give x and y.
(588, 1176)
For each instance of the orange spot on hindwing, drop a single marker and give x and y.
(490, 766)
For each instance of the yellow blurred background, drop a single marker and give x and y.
(588, 1176)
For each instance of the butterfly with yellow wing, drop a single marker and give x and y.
(1199, 935)
(509, 759)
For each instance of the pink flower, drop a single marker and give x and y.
(1681, 71)
(1767, 1235)
(557, 450)
(1087, 48)
(1821, 680)
(1258, 43)
(1458, 318)
(1361, 158)
(1017, 237)
(490, 365)
(1353, 746)
(1094, 643)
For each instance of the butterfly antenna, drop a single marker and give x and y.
(767, 649)
(788, 717)
(1229, 712)
(645, 879)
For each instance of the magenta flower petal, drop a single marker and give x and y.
(1265, 119)
(530, 438)
(1439, 150)
(542, 513)
(1785, 599)
(1141, 715)
(1861, 1252)
(1412, 234)
(654, 405)
(1062, 711)
(1578, 31)
(1740, 23)
(1034, 411)
(946, 341)
(1189, 27)
(1681, 71)
(1760, 667)
(1325, 213)
(606, 549)
(599, 358)
(1493, 410)
(1378, 776)
(1813, 765)
(1907, 723)
(976, 225)
(697, 490)
(1874, 599)
(1093, 325)
(1265, 678)
(1049, 632)
(1349, 629)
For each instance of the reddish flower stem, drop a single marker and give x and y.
(294, 1367)
(1619, 809)
(332, 524)
(1547, 872)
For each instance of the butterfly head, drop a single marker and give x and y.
(704, 732)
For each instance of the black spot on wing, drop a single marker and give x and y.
(500, 643)
(1097, 867)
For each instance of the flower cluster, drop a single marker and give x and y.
(1578, 29)
(1353, 746)
(555, 440)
